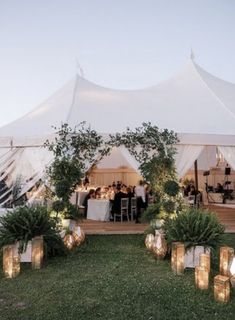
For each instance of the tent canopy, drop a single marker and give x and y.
(193, 103)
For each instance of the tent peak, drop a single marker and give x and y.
(192, 55)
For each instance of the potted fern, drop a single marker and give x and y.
(198, 229)
(23, 224)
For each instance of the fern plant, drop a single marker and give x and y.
(194, 227)
(25, 223)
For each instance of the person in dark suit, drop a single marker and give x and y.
(90, 195)
(116, 208)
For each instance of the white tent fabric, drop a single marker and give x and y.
(185, 157)
(194, 103)
(229, 155)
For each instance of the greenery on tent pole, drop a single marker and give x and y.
(74, 151)
(153, 149)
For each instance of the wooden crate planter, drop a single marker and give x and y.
(222, 288)
(177, 257)
(191, 259)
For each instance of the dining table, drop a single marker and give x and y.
(98, 210)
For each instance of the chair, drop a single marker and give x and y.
(198, 201)
(191, 200)
(124, 209)
(133, 207)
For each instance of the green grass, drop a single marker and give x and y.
(109, 277)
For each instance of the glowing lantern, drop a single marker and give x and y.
(11, 261)
(221, 288)
(159, 246)
(177, 257)
(201, 277)
(226, 255)
(79, 236)
(149, 241)
(205, 261)
(69, 241)
(37, 252)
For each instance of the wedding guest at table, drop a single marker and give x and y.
(90, 195)
(219, 188)
(98, 193)
(140, 195)
(116, 207)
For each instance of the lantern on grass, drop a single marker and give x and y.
(221, 288)
(205, 261)
(79, 236)
(177, 257)
(159, 246)
(226, 255)
(149, 241)
(69, 241)
(11, 261)
(37, 252)
(201, 277)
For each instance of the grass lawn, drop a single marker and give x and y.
(109, 277)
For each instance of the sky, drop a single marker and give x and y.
(122, 44)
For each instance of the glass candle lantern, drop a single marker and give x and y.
(201, 277)
(205, 261)
(226, 255)
(159, 245)
(37, 252)
(11, 261)
(221, 288)
(149, 241)
(177, 257)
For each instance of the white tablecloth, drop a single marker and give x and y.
(98, 210)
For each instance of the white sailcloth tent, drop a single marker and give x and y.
(195, 104)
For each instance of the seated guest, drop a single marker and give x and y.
(219, 188)
(90, 195)
(116, 208)
(98, 193)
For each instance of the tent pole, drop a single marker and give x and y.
(196, 175)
